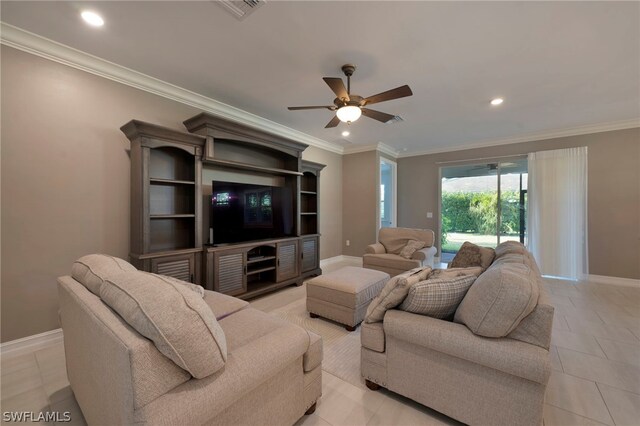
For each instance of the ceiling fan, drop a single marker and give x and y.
(349, 107)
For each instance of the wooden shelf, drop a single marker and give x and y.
(170, 181)
(245, 166)
(172, 216)
(257, 271)
(261, 259)
(308, 192)
(260, 287)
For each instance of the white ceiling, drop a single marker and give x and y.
(558, 65)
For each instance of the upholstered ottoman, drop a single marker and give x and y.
(344, 295)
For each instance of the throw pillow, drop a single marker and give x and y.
(193, 287)
(394, 292)
(468, 255)
(411, 247)
(91, 270)
(175, 318)
(499, 299)
(437, 298)
(455, 272)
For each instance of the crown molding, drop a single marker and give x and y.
(381, 147)
(531, 137)
(48, 49)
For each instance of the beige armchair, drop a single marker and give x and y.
(385, 254)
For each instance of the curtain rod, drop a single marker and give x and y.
(483, 159)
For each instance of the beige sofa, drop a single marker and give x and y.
(385, 254)
(272, 374)
(474, 379)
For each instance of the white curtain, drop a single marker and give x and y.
(557, 212)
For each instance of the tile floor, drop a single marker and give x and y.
(595, 356)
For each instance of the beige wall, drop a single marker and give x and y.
(65, 179)
(613, 192)
(360, 201)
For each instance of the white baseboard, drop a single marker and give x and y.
(31, 343)
(351, 260)
(602, 279)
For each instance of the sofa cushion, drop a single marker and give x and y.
(261, 346)
(455, 272)
(174, 317)
(498, 300)
(411, 247)
(394, 293)
(91, 270)
(438, 297)
(222, 305)
(391, 261)
(394, 239)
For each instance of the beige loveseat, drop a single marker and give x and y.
(385, 254)
(272, 373)
(474, 379)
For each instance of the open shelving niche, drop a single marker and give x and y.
(166, 229)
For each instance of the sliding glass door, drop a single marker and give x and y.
(482, 203)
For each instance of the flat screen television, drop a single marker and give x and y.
(244, 212)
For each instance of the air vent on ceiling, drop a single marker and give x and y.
(240, 9)
(395, 119)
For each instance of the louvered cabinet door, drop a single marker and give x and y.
(309, 254)
(229, 272)
(287, 260)
(180, 266)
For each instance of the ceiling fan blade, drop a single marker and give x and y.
(329, 107)
(398, 92)
(337, 85)
(333, 123)
(377, 115)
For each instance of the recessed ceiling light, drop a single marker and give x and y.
(92, 18)
(346, 133)
(497, 101)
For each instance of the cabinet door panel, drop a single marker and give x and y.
(309, 254)
(179, 266)
(287, 265)
(229, 273)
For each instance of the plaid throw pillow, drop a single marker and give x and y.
(438, 297)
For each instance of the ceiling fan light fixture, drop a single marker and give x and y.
(349, 113)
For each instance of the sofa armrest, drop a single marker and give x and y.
(507, 355)
(313, 356)
(376, 248)
(425, 255)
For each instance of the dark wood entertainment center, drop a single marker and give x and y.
(169, 202)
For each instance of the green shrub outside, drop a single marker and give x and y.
(475, 212)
